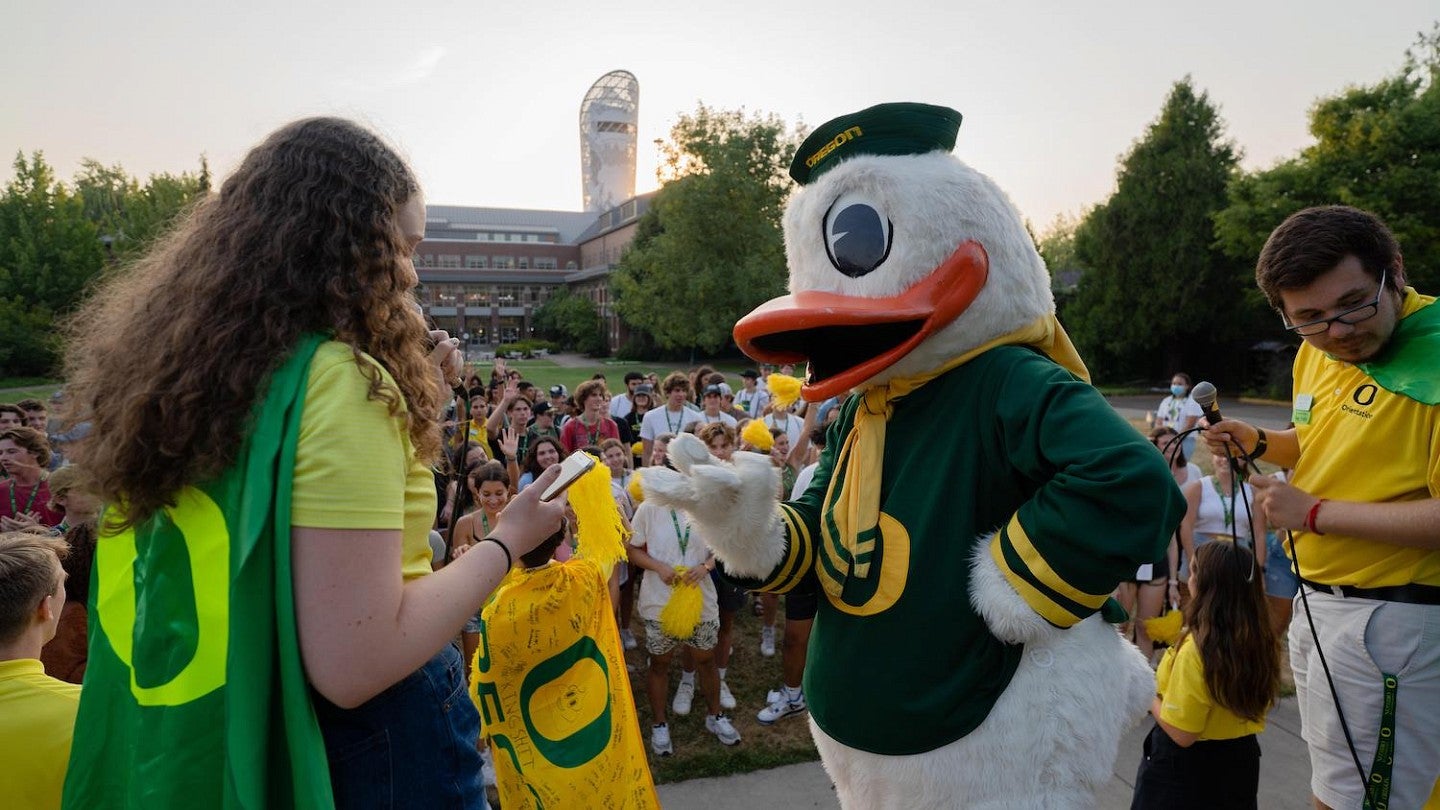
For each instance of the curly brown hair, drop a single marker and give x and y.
(168, 357)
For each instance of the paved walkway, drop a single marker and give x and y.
(1284, 777)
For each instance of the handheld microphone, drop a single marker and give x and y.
(1204, 395)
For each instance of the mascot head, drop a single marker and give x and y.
(901, 257)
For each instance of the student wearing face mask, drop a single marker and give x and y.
(1179, 411)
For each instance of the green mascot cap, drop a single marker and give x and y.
(898, 128)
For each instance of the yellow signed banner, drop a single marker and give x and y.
(554, 696)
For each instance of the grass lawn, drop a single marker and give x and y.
(546, 372)
(14, 389)
(697, 752)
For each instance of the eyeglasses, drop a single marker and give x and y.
(1349, 317)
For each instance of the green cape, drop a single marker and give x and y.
(195, 695)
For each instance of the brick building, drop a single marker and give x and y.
(485, 271)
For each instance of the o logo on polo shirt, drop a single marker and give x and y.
(192, 591)
(1365, 394)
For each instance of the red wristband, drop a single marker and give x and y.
(1310, 518)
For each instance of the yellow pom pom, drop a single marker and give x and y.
(784, 390)
(757, 435)
(681, 614)
(637, 492)
(638, 448)
(1165, 628)
(599, 530)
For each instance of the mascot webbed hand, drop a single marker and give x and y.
(977, 500)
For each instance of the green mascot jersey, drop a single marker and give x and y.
(1009, 443)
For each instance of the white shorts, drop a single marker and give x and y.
(1363, 639)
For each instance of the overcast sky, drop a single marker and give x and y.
(483, 97)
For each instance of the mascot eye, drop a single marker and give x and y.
(857, 235)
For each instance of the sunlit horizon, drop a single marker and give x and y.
(484, 102)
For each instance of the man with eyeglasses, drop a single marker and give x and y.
(1363, 505)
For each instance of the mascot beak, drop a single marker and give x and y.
(848, 339)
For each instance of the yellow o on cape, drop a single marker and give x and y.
(207, 541)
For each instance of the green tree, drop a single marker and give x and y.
(1376, 148)
(129, 215)
(49, 251)
(709, 249)
(572, 321)
(1156, 294)
(56, 238)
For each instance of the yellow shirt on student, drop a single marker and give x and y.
(37, 723)
(1185, 700)
(355, 467)
(1359, 442)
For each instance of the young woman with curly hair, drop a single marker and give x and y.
(272, 339)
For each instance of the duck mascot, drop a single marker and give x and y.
(977, 500)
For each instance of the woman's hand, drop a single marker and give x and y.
(527, 521)
(446, 356)
(667, 574)
(696, 574)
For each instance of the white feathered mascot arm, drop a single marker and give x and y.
(734, 503)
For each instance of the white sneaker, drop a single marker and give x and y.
(767, 642)
(684, 696)
(660, 741)
(627, 639)
(727, 700)
(781, 707)
(720, 726)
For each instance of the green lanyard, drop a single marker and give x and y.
(1228, 506)
(675, 428)
(682, 539)
(14, 508)
(1380, 769)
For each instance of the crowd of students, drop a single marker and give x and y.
(511, 438)
(507, 432)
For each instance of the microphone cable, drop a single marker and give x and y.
(1239, 463)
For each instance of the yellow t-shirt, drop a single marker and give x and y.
(1359, 442)
(1186, 702)
(355, 467)
(37, 722)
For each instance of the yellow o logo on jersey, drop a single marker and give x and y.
(891, 544)
(207, 543)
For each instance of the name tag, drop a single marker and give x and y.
(1300, 414)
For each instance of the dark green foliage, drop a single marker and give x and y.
(55, 239)
(1156, 294)
(709, 249)
(573, 322)
(1377, 148)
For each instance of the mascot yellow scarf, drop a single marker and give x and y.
(856, 511)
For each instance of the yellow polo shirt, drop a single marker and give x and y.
(1185, 700)
(37, 722)
(1359, 442)
(355, 467)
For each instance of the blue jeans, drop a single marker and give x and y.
(412, 745)
(1280, 578)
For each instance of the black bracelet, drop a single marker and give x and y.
(1260, 444)
(509, 561)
